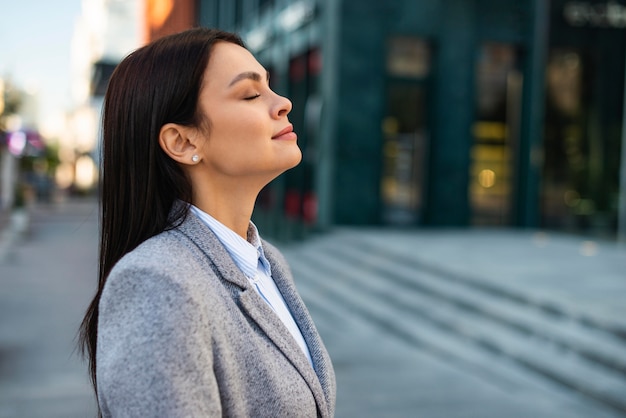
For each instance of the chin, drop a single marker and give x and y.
(294, 163)
(290, 159)
(297, 159)
(286, 161)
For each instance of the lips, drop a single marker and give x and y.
(285, 134)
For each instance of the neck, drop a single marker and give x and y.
(232, 206)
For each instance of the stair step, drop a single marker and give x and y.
(360, 284)
(527, 319)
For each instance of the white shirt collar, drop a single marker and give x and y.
(245, 254)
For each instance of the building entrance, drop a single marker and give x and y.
(584, 116)
(495, 134)
(405, 131)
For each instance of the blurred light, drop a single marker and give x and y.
(257, 38)
(16, 143)
(67, 155)
(489, 130)
(487, 178)
(296, 15)
(85, 172)
(159, 11)
(571, 198)
(84, 124)
(579, 13)
(25, 143)
(53, 125)
(64, 175)
(408, 57)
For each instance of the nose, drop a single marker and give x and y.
(282, 107)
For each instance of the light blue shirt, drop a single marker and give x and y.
(249, 257)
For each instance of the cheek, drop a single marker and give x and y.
(249, 129)
(242, 124)
(238, 139)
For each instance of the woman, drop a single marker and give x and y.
(195, 316)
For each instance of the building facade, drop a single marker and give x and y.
(104, 32)
(443, 112)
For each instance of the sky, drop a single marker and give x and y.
(35, 43)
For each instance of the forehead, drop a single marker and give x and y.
(227, 61)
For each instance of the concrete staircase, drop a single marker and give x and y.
(503, 335)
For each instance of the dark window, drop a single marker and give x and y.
(405, 130)
(238, 12)
(102, 71)
(265, 4)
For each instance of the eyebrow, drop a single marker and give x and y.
(249, 75)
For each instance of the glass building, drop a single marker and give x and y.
(443, 112)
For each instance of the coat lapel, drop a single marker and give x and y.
(267, 320)
(324, 374)
(276, 331)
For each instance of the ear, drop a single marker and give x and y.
(179, 142)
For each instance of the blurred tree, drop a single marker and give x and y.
(11, 100)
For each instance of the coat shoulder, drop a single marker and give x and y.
(165, 258)
(165, 251)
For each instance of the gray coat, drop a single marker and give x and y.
(181, 333)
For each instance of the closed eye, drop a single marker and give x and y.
(252, 97)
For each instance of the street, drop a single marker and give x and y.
(46, 280)
(419, 323)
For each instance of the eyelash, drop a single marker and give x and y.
(252, 97)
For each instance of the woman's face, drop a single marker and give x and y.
(249, 135)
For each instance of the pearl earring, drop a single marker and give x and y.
(195, 158)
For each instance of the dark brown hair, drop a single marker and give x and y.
(156, 84)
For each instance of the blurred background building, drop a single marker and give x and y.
(453, 113)
(40, 160)
(105, 32)
(20, 145)
(444, 112)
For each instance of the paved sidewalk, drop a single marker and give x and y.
(46, 279)
(419, 323)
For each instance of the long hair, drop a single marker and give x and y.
(154, 85)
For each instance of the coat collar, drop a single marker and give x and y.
(253, 305)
